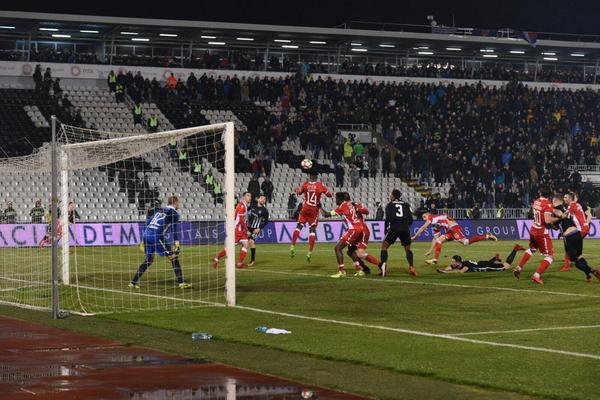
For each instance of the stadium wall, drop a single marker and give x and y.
(87, 73)
(127, 234)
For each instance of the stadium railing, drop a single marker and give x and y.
(486, 213)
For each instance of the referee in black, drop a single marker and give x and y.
(258, 217)
(398, 219)
(572, 238)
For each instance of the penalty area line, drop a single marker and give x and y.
(423, 334)
(416, 282)
(551, 328)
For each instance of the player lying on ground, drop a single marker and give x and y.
(258, 218)
(581, 219)
(572, 236)
(539, 237)
(453, 232)
(398, 219)
(312, 190)
(241, 231)
(154, 241)
(354, 236)
(495, 264)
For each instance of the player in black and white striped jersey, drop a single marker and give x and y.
(258, 217)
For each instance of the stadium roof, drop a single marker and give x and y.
(366, 39)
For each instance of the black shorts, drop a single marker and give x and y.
(487, 266)
(574, 245)
(398, 232)
(252, 236)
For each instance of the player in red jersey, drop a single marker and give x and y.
(356, 235)
(453, 232)
(580, 218)
(312, 190)
(241, 231)
(539, 237)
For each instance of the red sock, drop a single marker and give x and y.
(543, 266)
(567, 262)
(295, 236)
(341, 268)
(475, 239)
(357, 265)
(311, 242)
(243, 253)
(524, 259)
(438, 250)
(221, 254)
(372, 260)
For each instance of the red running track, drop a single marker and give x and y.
(38, 362)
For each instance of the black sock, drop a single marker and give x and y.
(409, 257)
(252, 255)
(383, 256)
(582, 264)
(511, 257)
(143, 267)
(177, 269)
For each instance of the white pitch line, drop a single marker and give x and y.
(425, 334)
(555, 328)
(416, 282)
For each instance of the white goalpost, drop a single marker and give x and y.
(107, 185)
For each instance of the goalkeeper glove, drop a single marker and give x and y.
(176, 247)
(142, 247)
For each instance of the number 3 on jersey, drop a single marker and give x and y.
(399, 211)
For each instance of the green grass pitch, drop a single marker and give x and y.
(487, 331)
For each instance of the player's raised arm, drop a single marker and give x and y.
(421, 229)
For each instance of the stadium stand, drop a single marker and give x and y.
(239, 60)
(450, 146)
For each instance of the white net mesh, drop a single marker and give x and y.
(111, 184)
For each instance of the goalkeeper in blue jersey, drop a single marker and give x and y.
(154, 241)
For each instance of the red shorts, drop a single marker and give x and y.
(542, 243)
(309, 216)
(356, 237)
(240, 236)
(454, 233)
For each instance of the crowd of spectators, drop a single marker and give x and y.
(496, 145)
(240, 60)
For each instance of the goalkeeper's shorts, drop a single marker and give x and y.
(157, 245)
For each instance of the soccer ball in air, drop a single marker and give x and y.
(306, 164)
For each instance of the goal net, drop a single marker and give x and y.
(112, 187)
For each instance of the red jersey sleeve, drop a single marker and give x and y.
(361, 209)
(326, 191)
(241, 216)
(341, 209)
(577, 211)
(301, 189)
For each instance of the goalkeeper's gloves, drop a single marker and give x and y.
(333, 213)
(142, 247)
(176, 247)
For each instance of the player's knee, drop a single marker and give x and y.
(549, 259)
(530, 251)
